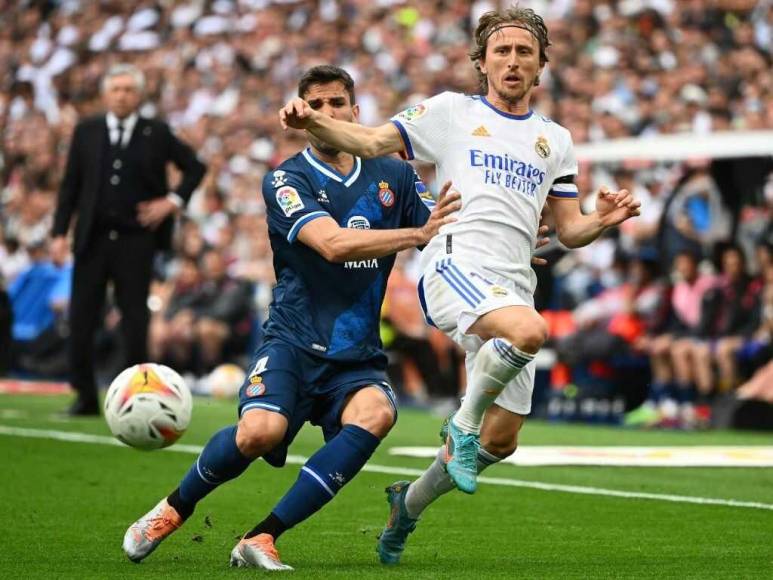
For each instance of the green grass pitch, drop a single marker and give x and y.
(65, 507)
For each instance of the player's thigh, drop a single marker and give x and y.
(269, 396)
(354, 393)
(371, 409)
(520, 325)
(457, 296)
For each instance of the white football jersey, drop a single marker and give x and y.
(504, 166)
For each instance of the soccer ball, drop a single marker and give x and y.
(148, 406)
(226, 380)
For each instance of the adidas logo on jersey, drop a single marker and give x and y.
(481, 132)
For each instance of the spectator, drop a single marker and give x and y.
(207, 316)
(728, 311)
(614, 321)
(218, 71)
(116, 182)
(427, 360)
(669, 384)
(39, 298)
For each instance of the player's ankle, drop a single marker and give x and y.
(465, 423)
(183, 508)
(272, 526)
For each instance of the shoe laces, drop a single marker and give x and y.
(161, 522)
(402, 520)
(267, 546)
(467, 450)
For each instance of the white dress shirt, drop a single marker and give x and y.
(128, 126)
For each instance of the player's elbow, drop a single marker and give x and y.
(333, 250)
(568, 240)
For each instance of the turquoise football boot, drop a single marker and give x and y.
(460, 456)
(391, 542)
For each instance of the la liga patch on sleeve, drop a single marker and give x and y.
(289, 200)
(413, 113)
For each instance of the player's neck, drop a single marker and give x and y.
(341, 162)
(520, 107)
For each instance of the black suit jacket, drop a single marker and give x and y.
(80, 187)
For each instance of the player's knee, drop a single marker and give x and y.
(259, 432)
(378, 420)
(530, 336)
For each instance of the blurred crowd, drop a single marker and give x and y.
(219, 70)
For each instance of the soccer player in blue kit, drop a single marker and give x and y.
(335, 224)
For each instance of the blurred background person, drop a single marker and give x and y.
(116, 183)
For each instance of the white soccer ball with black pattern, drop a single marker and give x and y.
(148, 406)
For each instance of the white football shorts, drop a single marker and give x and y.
(454, 295)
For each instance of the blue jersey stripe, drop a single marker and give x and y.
(406, 139)
(473, 288)
(466, 297)
(423, 303)
(563, 194)
(261, 405)
(302, 221)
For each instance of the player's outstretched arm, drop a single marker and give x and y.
(576, 230)
(337, 244)
(350, 137)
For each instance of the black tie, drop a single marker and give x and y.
(119, 141)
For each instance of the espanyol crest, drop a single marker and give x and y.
(385, 195)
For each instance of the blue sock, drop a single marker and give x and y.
(326, 472)
(658, 392)
(220, 461)
(685, 393)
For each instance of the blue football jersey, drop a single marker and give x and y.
(333, 309)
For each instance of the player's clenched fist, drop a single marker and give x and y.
(297, 114)
(448, 203)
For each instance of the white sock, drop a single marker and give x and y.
(496, 363)
(435, 482)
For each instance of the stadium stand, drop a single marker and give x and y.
(641, 85)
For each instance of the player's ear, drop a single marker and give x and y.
(482, 66)
(539, 74)
(356, 113)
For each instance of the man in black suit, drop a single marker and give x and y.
(116, 183)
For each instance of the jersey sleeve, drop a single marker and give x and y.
(290, 203)
(563, 185)
(424, 128)
(418, 201)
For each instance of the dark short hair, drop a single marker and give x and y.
(494, 20)
(324, 74)
(690, 253)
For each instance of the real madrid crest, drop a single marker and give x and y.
(542, 148)
(385, 195)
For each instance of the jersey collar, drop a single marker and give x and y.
(507, 115)
(325, 169)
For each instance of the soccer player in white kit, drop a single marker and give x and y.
(477, 284)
